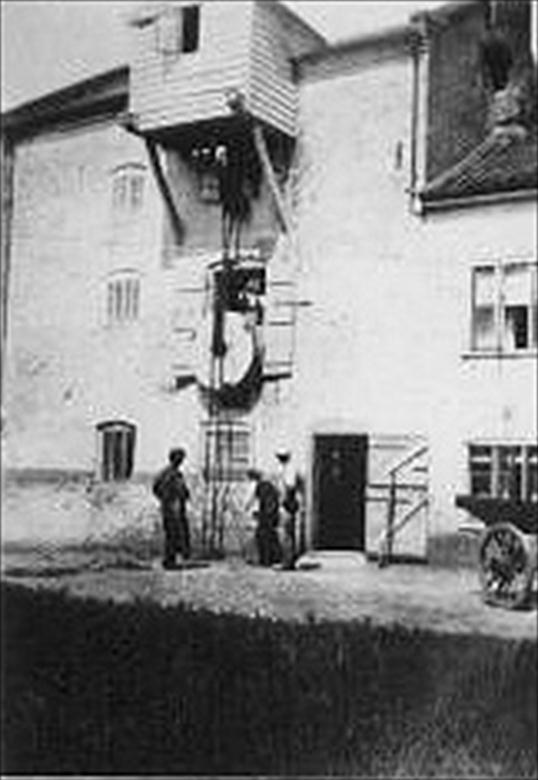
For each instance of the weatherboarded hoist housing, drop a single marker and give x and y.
(188, 58)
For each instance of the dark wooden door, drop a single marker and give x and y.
(340, 473)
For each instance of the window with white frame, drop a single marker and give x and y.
(178, 31)
(116, 444)
(128, 184)
(508, 471)
(122, 297)
(504, 308)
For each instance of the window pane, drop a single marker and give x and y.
(480, 470)
(128, 299)
(169, 32)
(129, 455)
(110, 302)
(510, 463)
(484, 335)
(517, 285)
(108, 456)
(516, 327)
(532, 474)
(119, 301)
(484, 286)
(135, 301)
(137, 187)
(119, 191)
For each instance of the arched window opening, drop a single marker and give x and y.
(116, 445)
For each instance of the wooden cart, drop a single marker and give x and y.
(508, 549)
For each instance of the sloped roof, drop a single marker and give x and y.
(105, 92)
(503, 163)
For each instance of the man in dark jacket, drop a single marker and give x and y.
(170, 488)
(267, 542)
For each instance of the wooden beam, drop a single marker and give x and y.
(165, 190)
(265, 159)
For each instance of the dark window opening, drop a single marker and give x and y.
(517, 326)
(191, 29)
(117, 442)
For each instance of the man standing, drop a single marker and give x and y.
(289, 489)
(267, 516)
(170, 488)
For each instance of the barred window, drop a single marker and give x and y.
(123, 297)
(227, 450)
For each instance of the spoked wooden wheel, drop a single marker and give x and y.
(506, 566)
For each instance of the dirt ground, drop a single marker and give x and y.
(344, 587)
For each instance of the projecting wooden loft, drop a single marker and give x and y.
(191, 59)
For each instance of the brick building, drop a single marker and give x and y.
(384, 195)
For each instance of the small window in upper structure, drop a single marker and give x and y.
(178, 31)
(123, 297)
(128, 189)
(191, 28)
(116, 450)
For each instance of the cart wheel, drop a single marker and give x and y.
(506, 566)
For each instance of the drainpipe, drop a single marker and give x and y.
(419, 114)
(7, 171)
(534, 31)
(414, 122)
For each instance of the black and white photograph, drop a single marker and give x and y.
(269, 382)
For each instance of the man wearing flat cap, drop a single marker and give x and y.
(170, 488)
